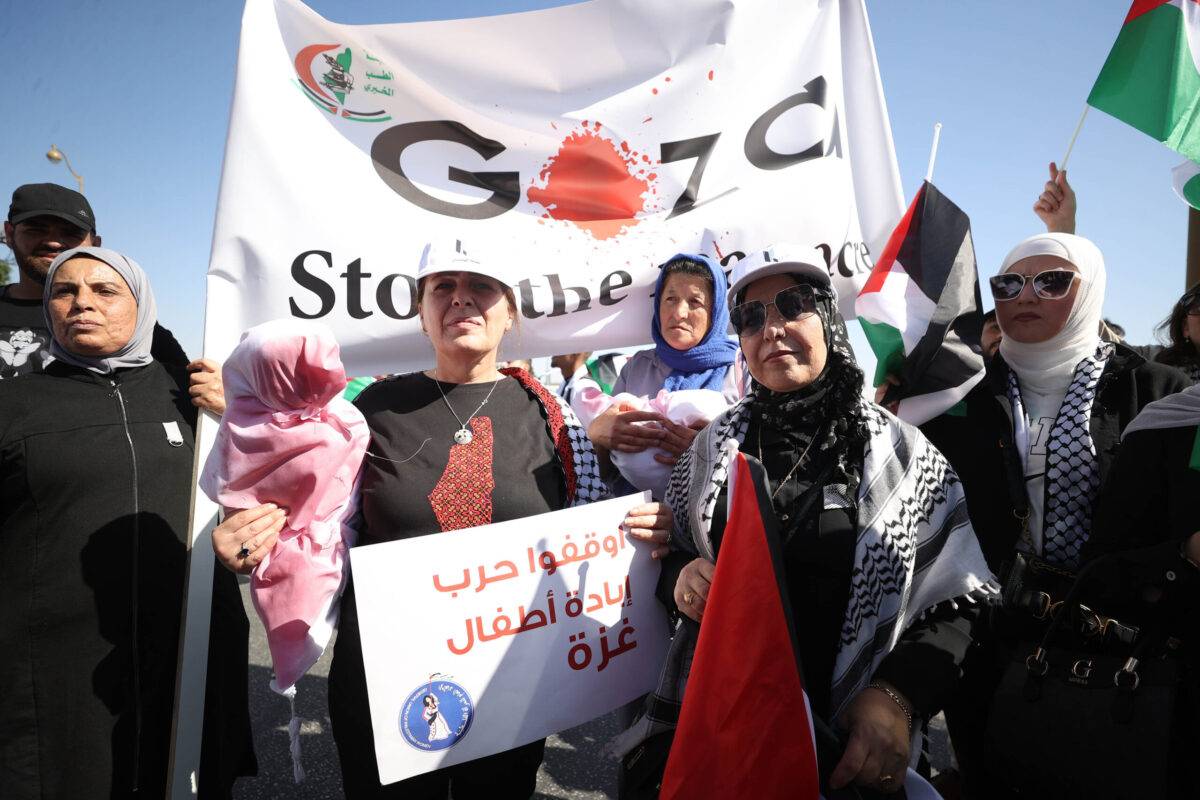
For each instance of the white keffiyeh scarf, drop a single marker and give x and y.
(1072, 477)
(915, 549)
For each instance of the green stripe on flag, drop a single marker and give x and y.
(1150, 81)
(888, 346)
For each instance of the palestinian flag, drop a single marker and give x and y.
(920, 309)
(745, 729)
(1186, 178)
(1151, 79)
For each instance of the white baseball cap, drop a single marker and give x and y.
(453, 256)
(778, 259)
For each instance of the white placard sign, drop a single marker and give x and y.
(481, 640)
(580, 146)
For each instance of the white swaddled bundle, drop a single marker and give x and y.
(683, 407)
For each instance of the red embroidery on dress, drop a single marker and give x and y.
(463, 495)
(554, 421)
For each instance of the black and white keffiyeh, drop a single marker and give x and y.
(581, 470)
(589, 488)
(1072, 476)
(915, 549)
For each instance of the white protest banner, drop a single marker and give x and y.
(481, 640)
(582, 145)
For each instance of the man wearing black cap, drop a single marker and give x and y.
(44, 220)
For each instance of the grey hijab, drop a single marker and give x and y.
(1179, 410)
(136, 352)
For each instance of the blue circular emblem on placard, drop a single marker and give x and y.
(436, 715)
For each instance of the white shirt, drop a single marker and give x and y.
(1040, 413)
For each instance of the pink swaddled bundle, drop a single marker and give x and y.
(682, 406)
(288, 438)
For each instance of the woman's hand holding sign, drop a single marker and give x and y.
(651, 522)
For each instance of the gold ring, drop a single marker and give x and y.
(688, 597)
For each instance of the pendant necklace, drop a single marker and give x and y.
(463, 435)
(795, 466)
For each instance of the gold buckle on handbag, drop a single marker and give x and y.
(1093, 624)
(1042, 603)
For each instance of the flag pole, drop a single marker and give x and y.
(937, 135)
(1192, 270)
(1071, 145)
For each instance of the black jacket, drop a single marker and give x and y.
(979, 445)
(95, 483)
(1149, 507)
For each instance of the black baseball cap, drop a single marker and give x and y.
(50, 199)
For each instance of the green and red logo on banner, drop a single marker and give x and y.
(330, 75)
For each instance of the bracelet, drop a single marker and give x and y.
(896, 698)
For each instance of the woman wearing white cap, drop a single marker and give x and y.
(456, 446)
(880, 634)
(1040, 435)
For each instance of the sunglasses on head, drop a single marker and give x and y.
(1053, 284)
(793, 303)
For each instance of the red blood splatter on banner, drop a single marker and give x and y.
(590, 183)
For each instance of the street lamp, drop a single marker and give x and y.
(54, 155)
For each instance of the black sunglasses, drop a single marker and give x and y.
(794, 302)
(1053, 284)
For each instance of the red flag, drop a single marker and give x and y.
(745, 728)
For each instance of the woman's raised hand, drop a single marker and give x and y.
(615, 430)
(691, 589)
(243, 540)
(878, 750)
(1055, 206)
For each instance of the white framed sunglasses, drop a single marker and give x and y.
(1053, 284)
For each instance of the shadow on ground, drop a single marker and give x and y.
(575, 767)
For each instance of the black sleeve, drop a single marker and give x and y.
(927, 662)
(1131, 518)
(672, 565)
(167, 351)
(1133, 501)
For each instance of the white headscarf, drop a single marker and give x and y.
(136, 352)
(1047, 367)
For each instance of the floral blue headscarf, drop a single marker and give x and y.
(704, 365)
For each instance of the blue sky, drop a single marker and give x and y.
(137, 95)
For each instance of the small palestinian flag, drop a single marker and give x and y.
(1151, 79)
(1186, 178)
(920, 309)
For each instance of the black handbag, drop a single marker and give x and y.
(1070, 719)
